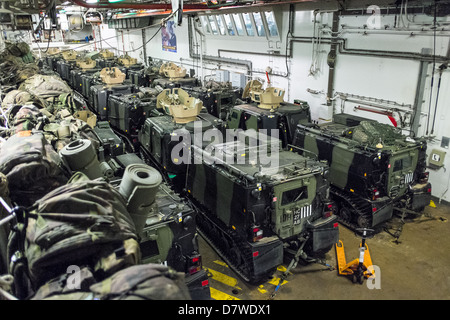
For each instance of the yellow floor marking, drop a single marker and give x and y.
(221, 263)
(221, 277)
(219, 295)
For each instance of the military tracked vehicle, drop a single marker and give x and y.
(266, 109)
(52, 57)
(106, 59)
(165, 223)
(254, 212)
(173, 76)
(127, 112)
(217, 97)
(66, 64)
(83, 66)
(127, 64)
(144, 77)
(180, 118)
(374, 169)
(113, 83)
(170, 236)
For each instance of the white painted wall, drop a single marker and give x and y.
(381, 78)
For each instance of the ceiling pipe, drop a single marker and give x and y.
(125, 5)
(186, 6)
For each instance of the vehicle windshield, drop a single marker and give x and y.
(403, 163)
(294, 195)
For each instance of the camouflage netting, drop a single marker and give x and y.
(372, 133)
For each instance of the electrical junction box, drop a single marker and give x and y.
(222, 75)
(436, 159)
(238, 79)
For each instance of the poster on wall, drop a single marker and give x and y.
(169, 39)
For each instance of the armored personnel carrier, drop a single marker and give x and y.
(266, 109)
(144, 77)
(106, 59)
(164, 222)
(53, 55)
(127, 63)
(66, 64)
(127, 112)
(170, 236)
(173, 76)
(180, 118)
(83, 66)
(374, 169)
(252, 212)
(217, 97)
(113, 83)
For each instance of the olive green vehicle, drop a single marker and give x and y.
(164, 222)
(266, 109)
(374, 169)
(180, 117)
(170, 237)
(253, 212)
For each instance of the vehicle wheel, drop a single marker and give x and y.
(363, 222)
(345, 214)
(236, 256)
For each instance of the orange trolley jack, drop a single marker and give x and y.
(357, 269)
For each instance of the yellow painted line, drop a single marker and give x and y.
(220, 263)
(219, 295)
(223, 278)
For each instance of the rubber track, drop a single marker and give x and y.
(359, 207)
(245, 268)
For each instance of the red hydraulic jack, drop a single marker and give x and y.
(358, 269)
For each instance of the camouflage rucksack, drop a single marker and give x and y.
(139, 282)
(84, 223)
(54, 91)
(44, 86)
(31, 165)
(16, 97)
(143, 282)
(4, 229)
(61, 132)
(24, 118)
